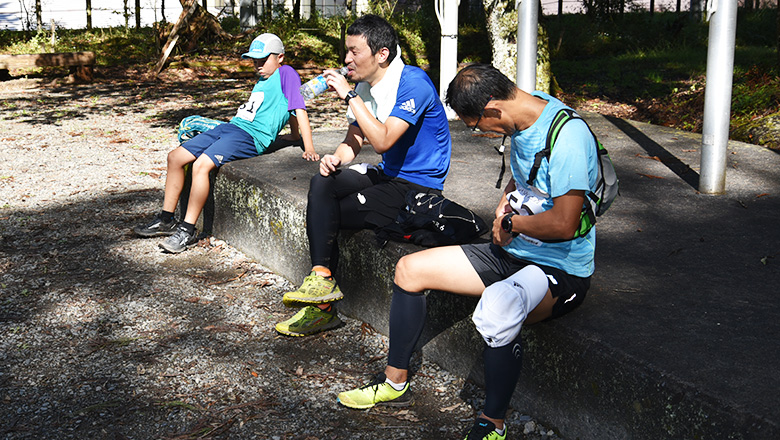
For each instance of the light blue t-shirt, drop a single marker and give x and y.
(268, 108)
(573, 165)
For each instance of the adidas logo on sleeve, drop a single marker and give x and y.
(409, 106)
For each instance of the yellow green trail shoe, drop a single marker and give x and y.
(484, 429)
(316, 289)
(378, 392)
(307, 321)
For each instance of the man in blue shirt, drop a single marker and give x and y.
(535, 269)
(396, 110)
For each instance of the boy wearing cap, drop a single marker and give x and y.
(274, 98)
(532, 271)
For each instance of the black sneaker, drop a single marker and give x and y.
(156, 228)
(179, 241)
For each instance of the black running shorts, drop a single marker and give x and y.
(493, 264)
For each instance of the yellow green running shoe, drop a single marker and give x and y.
(307, 321)
(484, 429)
(316, 289)
(378, 392)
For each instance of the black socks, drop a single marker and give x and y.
(166, 216)
(190, 228)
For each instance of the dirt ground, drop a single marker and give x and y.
(105, 336)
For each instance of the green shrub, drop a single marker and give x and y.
(756, 92)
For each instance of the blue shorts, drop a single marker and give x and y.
(222, 144)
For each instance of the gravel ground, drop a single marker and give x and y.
(105, 336)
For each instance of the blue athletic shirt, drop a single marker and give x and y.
(573, 165)
(422, 154)
(269, 106)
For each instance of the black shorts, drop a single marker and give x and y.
(493, 264)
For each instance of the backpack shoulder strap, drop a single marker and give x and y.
(562, 117)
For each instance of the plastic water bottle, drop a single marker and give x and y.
(318, 85)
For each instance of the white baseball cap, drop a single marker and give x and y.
(264, 45)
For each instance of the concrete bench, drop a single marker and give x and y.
(205, 224)
(81, 64)
(643, 357)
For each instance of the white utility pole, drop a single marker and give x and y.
(722, 15)
(447, 13)
(527, 25)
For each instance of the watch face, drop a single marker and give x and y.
(506, 223)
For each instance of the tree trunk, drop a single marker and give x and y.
(778, 34)
(138, 14)
(297, 11)
(501, 26)
(89, 14)
(162, 10)
(545, 80)
(188, 8)
(698, 7)
(38, 14)
(501, 18)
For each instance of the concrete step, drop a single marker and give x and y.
(680, 333)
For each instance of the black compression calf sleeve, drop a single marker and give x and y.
(502, 370)
(407, 317)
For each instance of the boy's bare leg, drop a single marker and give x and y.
(174, 179)
(200, 188)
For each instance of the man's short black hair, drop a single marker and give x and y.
(377, 32)
(475, 85)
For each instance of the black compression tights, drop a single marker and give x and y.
(502, 370)
(329, 209)
(407, 317)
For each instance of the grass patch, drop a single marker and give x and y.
(659, 64)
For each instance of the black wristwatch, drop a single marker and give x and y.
(351, 94)
(506, 224)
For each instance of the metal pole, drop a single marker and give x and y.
(527, 24)
(717, 95)
(447, 13)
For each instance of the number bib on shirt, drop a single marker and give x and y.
(248, 110)
(525, 201)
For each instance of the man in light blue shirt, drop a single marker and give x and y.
(535, 269)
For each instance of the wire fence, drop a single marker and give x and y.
(20, 15)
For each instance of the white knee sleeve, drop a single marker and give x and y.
(505, 305)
